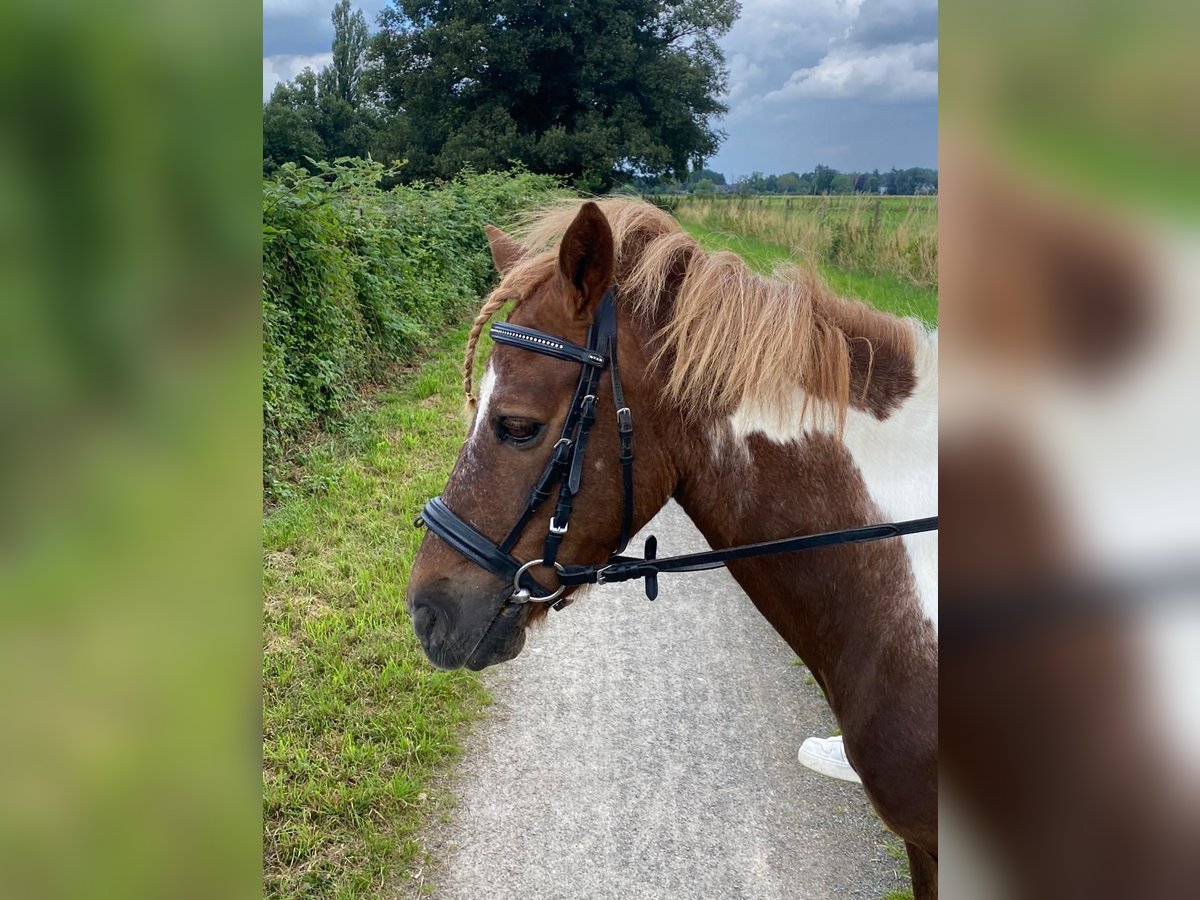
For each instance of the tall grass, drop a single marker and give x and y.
(894, 236)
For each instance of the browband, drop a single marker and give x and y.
(531, 339)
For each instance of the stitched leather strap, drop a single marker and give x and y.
(625, 436)
(546, 344)
(443, 522)
(623, 568)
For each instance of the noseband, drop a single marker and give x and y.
(565, 468)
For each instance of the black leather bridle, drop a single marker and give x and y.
(565, 468)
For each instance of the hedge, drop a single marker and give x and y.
(355, 277)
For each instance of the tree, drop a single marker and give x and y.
(595, 91)
(288, 136)
(291, 123)
(704, 187)
(756, 183)
(350, 39)
(822, 179)
(322, 115)
(789, 183)
(715, 177)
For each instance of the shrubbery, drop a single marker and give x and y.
(354, 277)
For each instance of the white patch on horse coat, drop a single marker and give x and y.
(897, 457)
(486, 388)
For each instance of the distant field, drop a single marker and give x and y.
(879, 236)
(883, 291)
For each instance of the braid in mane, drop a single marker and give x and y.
(490, 307)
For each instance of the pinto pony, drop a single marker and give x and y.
(767, 407)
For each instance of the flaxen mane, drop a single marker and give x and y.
(726, 336)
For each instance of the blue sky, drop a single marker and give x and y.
(848, 83)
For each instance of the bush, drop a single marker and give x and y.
(355, 277)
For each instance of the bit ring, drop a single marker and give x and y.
(527, 598)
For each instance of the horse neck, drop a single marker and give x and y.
(754, 477)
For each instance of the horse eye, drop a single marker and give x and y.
(518, 431)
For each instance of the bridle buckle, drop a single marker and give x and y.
(555, 528)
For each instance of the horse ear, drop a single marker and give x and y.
(506, 250)
(586, 259)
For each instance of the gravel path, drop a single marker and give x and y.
(648, 750)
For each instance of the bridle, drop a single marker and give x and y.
(565, 468)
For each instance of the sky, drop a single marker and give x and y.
(847, 83)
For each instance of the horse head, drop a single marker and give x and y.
(525, 428)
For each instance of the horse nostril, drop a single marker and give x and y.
(423, 618)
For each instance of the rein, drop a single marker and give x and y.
(565, 468)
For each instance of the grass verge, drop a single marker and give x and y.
(886, 292)
(354, 719)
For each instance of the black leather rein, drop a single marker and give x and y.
(565, 468)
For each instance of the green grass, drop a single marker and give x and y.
(896, 851)
(886, 292)
(354, 719)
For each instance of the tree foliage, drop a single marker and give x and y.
(593, 91)
(599, 93)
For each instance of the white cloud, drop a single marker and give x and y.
(819, 81)
(772, 38)
(285, 68)
(894, 72)
(743, 73)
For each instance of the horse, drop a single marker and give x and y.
(767, 407)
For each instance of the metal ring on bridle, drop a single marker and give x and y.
(517, 589)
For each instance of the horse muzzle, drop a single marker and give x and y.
(455, 632)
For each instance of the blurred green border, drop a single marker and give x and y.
(130, 480)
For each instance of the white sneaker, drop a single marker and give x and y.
(827, 756)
